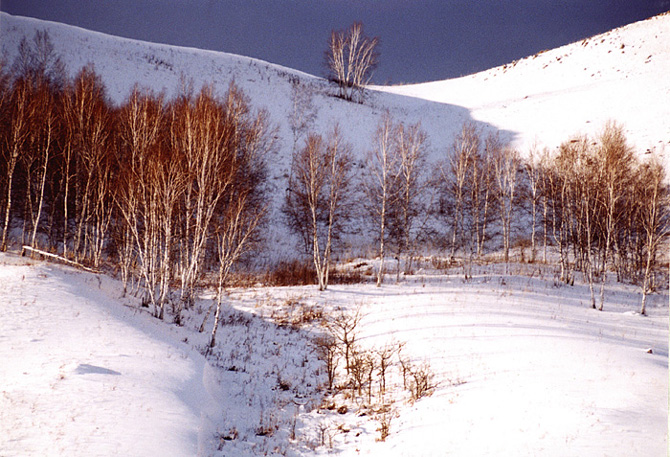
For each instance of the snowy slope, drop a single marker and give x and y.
(122, 63)
(545, 98)
(522, 366)
(82, 374)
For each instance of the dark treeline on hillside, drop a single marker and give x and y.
(165, 191)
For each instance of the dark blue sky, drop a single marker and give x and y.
(421, 40)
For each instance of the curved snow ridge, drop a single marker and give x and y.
(574, 89)
(155, 65)
(83, 375)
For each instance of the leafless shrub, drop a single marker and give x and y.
(343, 328)
(406, 367)
(384, 362)
(295, 314)
(326, 434)
(385, 417)
(308, 314)
(343, 276)
(282, 383)
(442, 264)
(370, 367)
(231, 435)
(327, 350)
(358, 372)
(422, 381)
(267, 425)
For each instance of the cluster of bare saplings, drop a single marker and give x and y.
(593, 201)
(365, 376)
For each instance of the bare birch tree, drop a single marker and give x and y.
(140, 122)
(614, 167)
(44, 134)
(243, 208)
(457, 182)
(16, 140)
(38, 59)
(208, 127)
(533, 168)
(6, 94)
(653, 197)
(579, 195)
(506, 163)
(39, 75)
(212, 129)
(88, 160)
(380, 186)
(481, 192)
(317, 197)
(351, 58)
(410, 145)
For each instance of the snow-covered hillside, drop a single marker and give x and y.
(541, 99)
(545, 98)
(122, 63)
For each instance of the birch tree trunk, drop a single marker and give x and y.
(318, 194)
(380, 186)
(19, 132)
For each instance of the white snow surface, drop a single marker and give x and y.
(522, 366)
(82, 374)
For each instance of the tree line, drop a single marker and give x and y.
(166, 190)
(594, 202)
(163, 190)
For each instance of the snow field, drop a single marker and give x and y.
(521, 367)
(84, 375)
